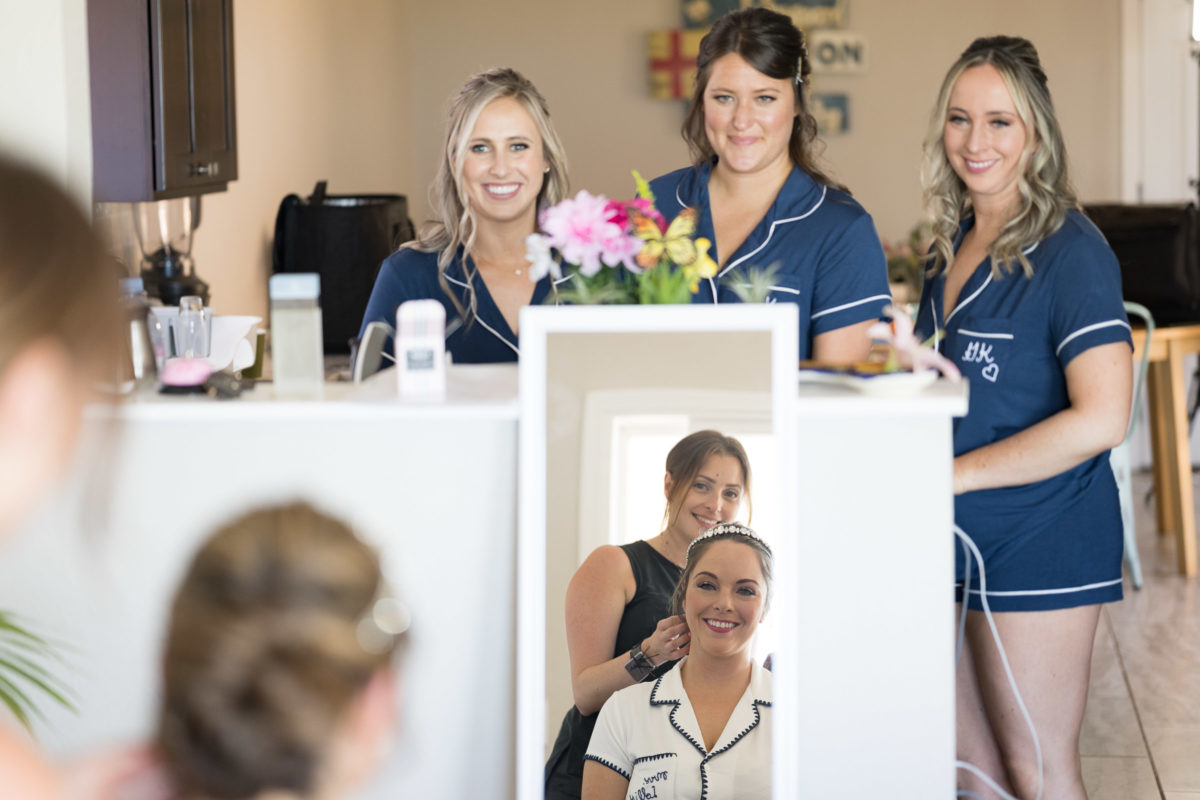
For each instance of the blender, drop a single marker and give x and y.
(164, 229)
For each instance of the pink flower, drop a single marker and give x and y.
(621, 248)
(616, 214)
(577, 228)
(585, 233)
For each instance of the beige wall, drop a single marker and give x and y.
(45, 108)
(359, 97)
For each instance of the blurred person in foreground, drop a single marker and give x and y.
(277, 668)
(59, 338)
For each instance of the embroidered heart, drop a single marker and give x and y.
(991, 372)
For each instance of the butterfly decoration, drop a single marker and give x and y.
(677, 242)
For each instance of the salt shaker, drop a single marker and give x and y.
(297, 352)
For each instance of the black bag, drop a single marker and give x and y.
(1159, 252)
(344, 239)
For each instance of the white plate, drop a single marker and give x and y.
(887, 383)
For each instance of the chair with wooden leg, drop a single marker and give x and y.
(1120, 458)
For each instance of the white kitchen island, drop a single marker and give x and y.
(864, 700)
(432, 485)
(872, 675)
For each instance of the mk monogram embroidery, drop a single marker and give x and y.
(981, 353)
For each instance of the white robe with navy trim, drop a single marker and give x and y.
(649, 734)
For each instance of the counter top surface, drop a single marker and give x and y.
(475, 390)
(941, 397)
(480, 391)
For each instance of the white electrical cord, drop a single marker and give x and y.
(962, 620)
(987, 613)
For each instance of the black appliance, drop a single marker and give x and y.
(344, 239)
(1158, 247)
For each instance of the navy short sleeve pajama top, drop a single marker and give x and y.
(1055, 543)
(829, 259)
(412, 275)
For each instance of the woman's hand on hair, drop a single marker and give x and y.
(670, 641)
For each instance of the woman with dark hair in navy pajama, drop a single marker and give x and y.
(1025, 297)
(761, 197)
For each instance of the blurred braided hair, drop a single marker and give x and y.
(1045, 190)
(262, 657)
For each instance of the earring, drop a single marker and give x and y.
(546, 170)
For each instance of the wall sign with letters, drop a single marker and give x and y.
(837, 52)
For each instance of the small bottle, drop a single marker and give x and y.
(297, 351)
(142, 365)
(421, 350)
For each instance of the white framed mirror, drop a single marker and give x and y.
(605, 391)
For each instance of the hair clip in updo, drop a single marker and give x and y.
(383, 624)
(725, 529)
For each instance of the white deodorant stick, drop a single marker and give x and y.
(421, 350)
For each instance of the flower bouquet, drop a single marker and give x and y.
(619, 251)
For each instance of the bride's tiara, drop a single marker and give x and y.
(726, 529)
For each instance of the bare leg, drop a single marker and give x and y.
(1050, 653)
(974, 739)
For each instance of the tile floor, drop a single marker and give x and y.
(1141, 732)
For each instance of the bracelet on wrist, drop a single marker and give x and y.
(639, 665)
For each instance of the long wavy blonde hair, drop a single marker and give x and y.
(454, 223)
(1045, 191)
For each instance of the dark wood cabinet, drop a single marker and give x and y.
(162, 86)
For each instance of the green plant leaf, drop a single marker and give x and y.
(40, 678)
(18, 703)
(754, 284)
(21, 650)
(643, 187)
(9, 625)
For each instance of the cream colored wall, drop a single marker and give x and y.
(322, 93)
(45, 108)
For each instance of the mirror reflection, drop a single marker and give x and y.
(652, 439)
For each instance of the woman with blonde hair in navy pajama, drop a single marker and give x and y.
(1024, 295)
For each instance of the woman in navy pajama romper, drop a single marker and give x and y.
(1025, 297)
(761, 198)
(502, 162)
